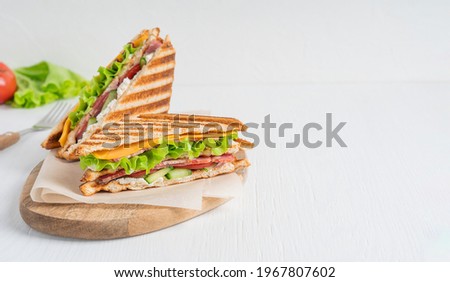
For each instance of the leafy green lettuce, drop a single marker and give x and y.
(98, 84)
(44, 83)
(149, 159)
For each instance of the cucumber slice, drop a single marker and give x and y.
(154, 176)
(179, 173)
(142, 62)
(92, 121)
(112, 95)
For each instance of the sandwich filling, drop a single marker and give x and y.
(169, 160)
(99, 97)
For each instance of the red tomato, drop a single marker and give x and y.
(134, 70)
(7, 83)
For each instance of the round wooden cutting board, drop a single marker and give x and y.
(102, 221)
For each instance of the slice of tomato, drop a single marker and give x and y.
(7, 83)
(133, 71)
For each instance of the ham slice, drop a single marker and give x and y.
(82, 127)
(104, 179)
(155, 44)
(204, 162)
(183, 162)
(223, 158)
(96, 109)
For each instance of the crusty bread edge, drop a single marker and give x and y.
(52, 141)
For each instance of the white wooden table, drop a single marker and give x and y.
(382, 67)
(384, 197)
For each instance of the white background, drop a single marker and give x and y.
(380, 66)
(244, 42)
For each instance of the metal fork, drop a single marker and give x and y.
(48, 121)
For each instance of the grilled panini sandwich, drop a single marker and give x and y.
(155, 150)
(139, 80)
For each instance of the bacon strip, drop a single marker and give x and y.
(108, 177)
(96, 109)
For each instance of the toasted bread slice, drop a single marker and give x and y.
(145, 129)
(52, 141)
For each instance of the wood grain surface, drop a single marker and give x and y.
(102, 221)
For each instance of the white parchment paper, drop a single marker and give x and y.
(58, 182)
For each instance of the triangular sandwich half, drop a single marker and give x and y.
(139, 80)
(157, 150)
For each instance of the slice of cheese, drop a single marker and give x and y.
(130, 149)
(66, 128)
(142, 37)
(122, 151)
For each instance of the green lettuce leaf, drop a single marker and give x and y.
(98, 84)
(149, 159)
(44, 83)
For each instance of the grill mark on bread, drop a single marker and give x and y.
(158, 106)
(146, 79)
(146, 93)
(163, 60)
